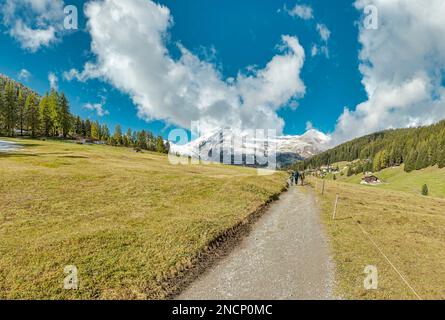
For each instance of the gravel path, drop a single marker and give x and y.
(284, 257)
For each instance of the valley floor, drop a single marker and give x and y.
(132, 223)
(129, 222)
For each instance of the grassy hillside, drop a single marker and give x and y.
(123, 219)
(397, 179)
(408, 228)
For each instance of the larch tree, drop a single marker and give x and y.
(53, 101)
(45, 116)
(117, 136)
(142, 140)
(105, 133)
(95, 131)
(160, 147)
(129, 138)
(32, 114)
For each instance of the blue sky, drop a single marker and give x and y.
(231, 36)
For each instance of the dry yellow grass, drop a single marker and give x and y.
(123, 219)
(409, 229)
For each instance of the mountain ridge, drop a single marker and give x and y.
(236, 143)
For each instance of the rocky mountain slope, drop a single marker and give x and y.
(240, 147)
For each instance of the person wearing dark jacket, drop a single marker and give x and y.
(296, 177)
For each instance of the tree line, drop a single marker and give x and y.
(24, 112)
(416, 148)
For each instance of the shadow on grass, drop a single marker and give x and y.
(28, 145)
(341, 219)
(74, 157)
(17, 155)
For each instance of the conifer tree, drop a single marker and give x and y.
(95, 131)
(160, 147)
(64, 115)
(2, 113)
(45, 116)
(21, 111)
(32, 114)
(78, 126)
(376, 166)
(53, 102)
(105, 133)
(425, 190)
(117, 136)
(129, 138)
(151, 141)
(87, 134)
(441, 156)
(10, 109)
(142, 140)
(410, 162)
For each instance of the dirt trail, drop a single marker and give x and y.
(285, 256)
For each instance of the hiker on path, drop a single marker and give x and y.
(291, 179)
(296, 177)
(302, 178)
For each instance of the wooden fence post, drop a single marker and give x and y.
(322, 188)
(335, 207)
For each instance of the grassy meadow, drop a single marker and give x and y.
(407, 227)
(397, 179)
(124, 219)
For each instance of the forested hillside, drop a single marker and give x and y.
(417, 148)
(24, 112)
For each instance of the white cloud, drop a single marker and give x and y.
(314, 50)
(32, 39)
(402, 64)
(33, 23)
(322, 48)
(97, 107)
(324, 32)
(187, 89)
(24, 75)
(309, 125)
(90, 71)
(53, 81)
(305, 12)
(302, 11)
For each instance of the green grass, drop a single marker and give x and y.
(397, 179)
(407, 227)
(125, 220)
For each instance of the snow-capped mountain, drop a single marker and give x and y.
(240, 147)
(307, 145)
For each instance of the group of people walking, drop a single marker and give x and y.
(296, 176)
